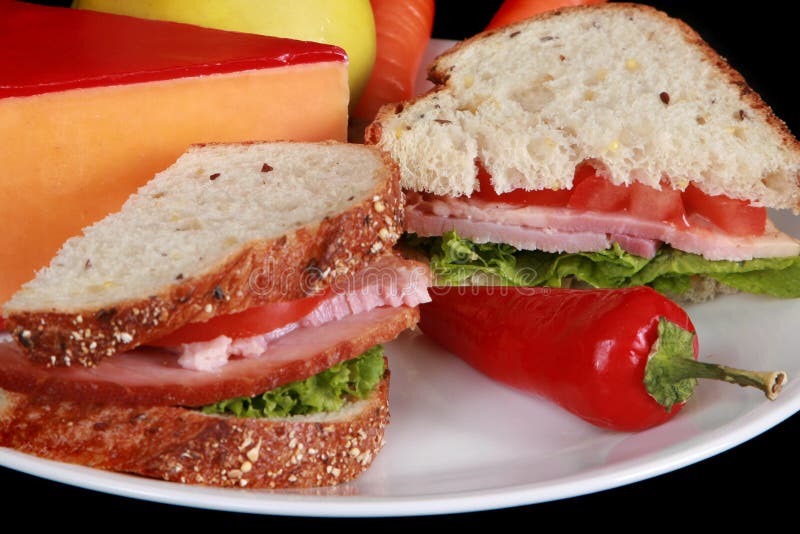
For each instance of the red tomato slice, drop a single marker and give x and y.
(651, 204)
(545, 197)
(732, 216)
(251, 322)
(2, 324)
(514, 10)
(593, 192)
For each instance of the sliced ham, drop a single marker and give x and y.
(638, 246)
(389, 281)
(520, 237)
(556, 229)
(153, 377)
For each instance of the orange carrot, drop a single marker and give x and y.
(403, 31)
(514, 10)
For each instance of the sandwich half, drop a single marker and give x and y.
(604, 145)
(224, 327)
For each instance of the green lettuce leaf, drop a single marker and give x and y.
(325, 392)
(778, 277)
(457, 261)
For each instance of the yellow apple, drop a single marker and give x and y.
(346, 23)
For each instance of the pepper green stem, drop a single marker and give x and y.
(672, 372)
(770, 382)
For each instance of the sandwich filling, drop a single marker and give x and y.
(358, 313)
(151, 376)
(388, 282)
(604, 235)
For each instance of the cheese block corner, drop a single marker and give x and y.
(93, 105)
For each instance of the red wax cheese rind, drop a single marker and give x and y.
(55, 49)
(126, 107)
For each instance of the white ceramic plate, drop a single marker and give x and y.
(459, 442)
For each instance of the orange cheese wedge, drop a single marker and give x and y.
(93, 105)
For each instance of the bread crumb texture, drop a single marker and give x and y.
(636, 92)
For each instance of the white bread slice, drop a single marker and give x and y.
(226, 227)
(622, 84)
(187, 446)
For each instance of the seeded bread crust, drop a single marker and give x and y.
(292, 266)
(702, 289)
(187, 446)
(438, 116)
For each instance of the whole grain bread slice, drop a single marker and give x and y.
(187, 446)
(227, 227)
(624, 86)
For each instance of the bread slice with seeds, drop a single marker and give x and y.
(227, 227)
(623, 85)
(188, 446)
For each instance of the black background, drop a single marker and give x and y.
(751, 483)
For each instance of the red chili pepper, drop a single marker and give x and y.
(604, 355)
